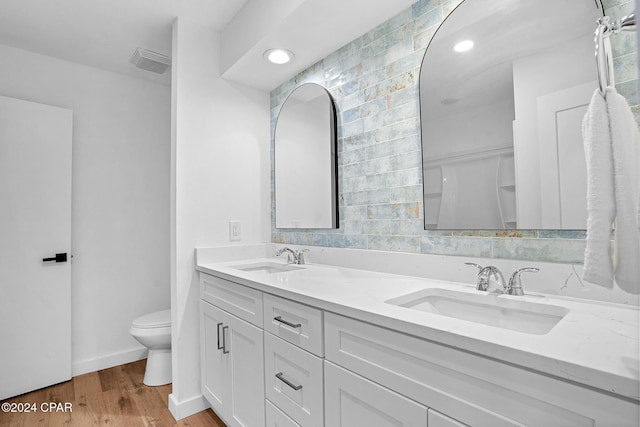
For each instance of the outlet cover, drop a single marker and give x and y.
(235, 234)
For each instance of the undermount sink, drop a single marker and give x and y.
(267, 267)
(487, 309)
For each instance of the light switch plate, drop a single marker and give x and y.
(235, 234)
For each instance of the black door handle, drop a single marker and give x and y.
(58, 258)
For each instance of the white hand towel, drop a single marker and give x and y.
(625, 143)
(598, 266)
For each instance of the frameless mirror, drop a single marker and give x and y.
(504, 86)
(305, 160)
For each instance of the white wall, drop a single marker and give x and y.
(220, 171)
(120, 224)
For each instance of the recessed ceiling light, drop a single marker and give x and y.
(278, 56)
(463, 46)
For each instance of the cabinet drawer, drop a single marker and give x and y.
(244, 302)
(293, 379)
(355, 401)
(277, 418)
(294, 322)
(474, 390)
(436, 419)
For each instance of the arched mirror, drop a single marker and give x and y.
(504, 86)
(305, 160)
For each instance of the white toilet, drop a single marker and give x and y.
(153, 330)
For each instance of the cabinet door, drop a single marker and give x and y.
(244, 346)
(353, 401)
(214, 363)
(232, 367)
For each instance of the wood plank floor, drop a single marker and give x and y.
(112, 397)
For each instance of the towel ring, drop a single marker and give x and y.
(603, 52)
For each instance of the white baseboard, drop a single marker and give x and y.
(108, 361)
(186, 408)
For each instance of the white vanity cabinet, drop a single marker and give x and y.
(276, 362)
(463, 388)
(232, 371)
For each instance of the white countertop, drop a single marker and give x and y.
(596, 344)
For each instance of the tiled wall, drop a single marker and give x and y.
(374, 81)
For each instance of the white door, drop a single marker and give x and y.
(563, 174)
(35, 223)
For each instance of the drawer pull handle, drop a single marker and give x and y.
(293, 386)
(219, 346)
(224, 340)
(291, 325)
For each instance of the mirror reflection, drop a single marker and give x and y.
(305, 160)
(504, 86)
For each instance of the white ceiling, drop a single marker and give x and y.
(104, 34)
(312, 29)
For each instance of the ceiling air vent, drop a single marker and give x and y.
(151, 61)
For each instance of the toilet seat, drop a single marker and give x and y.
(158, 319)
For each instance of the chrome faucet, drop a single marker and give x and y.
(486, 274)
(294, 257)
(515, 284)
(487, 278)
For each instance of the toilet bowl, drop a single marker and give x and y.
(153, 331)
